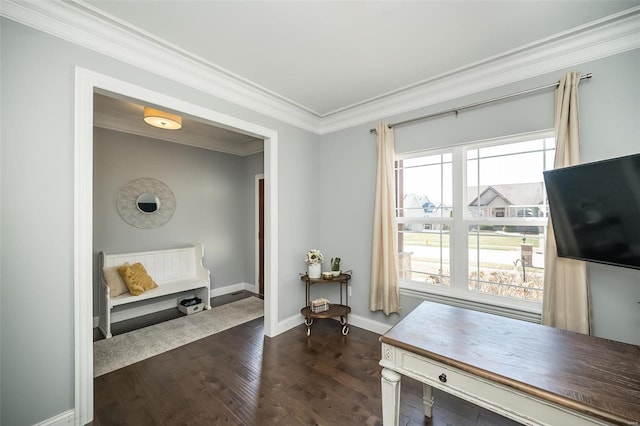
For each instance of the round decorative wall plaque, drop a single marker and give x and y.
(146, 203)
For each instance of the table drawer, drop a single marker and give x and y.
(507, 401)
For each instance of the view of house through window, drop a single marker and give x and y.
(424, 215)
(483, 205)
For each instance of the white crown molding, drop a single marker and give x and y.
(609, 36)
(81, 24)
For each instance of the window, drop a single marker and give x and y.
(424, 207)
(472, 220)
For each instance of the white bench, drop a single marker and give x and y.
(175, 271)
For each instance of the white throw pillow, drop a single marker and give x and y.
(114, 280)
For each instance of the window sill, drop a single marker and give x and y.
(516, 312)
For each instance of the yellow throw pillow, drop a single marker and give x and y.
(114, 281)
(136, 278)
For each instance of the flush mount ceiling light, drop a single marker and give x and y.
(162, 119)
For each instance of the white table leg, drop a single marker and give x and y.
(390, 397)
(427, 400)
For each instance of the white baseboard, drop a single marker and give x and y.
(354, 320)
(284, 325)
(221, 291)
(289, 323)
(253, 288)
(62, 419)
(369, 325)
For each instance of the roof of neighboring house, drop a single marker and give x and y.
(415, 200)
(519, 194)
(413, 204)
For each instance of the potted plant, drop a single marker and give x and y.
(314, 258)
(335, 266)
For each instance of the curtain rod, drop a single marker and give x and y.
(477, 104)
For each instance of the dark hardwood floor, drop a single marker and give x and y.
(240, 377)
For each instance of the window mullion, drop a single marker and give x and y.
(459, 243)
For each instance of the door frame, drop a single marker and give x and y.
(258, 177)
(86, 83)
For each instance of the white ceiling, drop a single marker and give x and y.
(329, 65)
(113, 112)
(327, 57)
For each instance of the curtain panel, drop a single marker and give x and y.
(565, 301)
(384, 294)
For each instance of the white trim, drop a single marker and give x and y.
(83, 247)
(85, 85)
(253, 288)
(271, 232)
(232, 288)
(369, 324)
(609, 36)
(354, 320)
(457, 294)
(82, 24)
(482, 306)
(62, 419)
(289, 323)
(257, 231)
(87, 26)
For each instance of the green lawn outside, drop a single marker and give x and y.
(488, 240)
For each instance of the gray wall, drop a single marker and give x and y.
(36, 216)
(610, 117)
(321, 204)
(214, 202)
(252, 165)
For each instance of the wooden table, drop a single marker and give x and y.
(534, 374)
(335, 310)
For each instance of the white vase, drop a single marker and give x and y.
(315, 270)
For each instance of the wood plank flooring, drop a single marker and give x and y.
(240, 377)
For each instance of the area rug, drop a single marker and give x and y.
(125, 349)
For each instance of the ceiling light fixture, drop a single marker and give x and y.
(162, 119)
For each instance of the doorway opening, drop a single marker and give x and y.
(88, 83)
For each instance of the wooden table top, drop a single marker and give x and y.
(344, 277)
(588, 374)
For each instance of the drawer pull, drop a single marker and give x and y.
(443, 378)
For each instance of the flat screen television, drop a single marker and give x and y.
(595, 210)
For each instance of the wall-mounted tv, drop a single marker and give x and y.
(595, 210)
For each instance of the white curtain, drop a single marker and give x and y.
(566, 290)
(384, 295)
